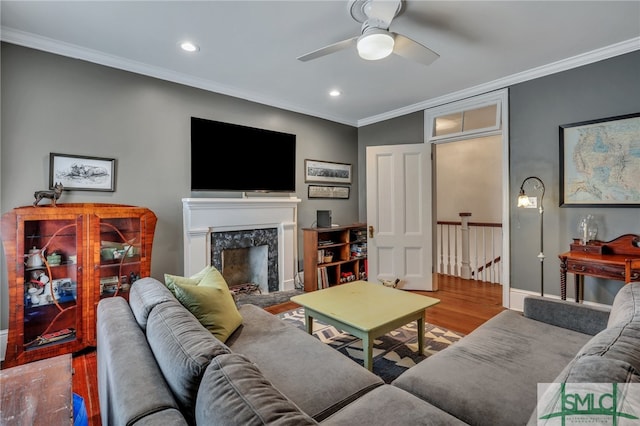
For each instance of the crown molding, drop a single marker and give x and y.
(46, 44)
(542, 71)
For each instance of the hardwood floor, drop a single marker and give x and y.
(464, 305)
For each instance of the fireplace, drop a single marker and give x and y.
(246, 269)
(247, 257)
(214, 225)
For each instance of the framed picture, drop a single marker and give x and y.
(326, 172)
(600, 162)
(81, 173)
(322, 191)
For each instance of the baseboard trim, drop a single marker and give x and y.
(3, 343)
(516, 299)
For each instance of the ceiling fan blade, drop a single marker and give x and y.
(332, 48)
(384, 11)
(412, 50)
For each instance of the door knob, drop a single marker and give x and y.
(370, 231)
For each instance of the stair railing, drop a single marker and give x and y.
(469, 250)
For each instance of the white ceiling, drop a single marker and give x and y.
(248, 49)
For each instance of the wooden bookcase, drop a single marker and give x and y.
(61, 260)
(334, 256)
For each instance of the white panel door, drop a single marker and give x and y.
(399, 242)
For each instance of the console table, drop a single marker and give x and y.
(618, 259)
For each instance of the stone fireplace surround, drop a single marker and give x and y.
(204, 216)
(254, 266)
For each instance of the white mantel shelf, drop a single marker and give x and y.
(203, 216)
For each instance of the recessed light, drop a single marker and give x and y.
(189, 47)
(335, 93)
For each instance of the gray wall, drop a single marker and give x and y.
(401, 130)
(56, 104)
(603, 89)
(52, 103)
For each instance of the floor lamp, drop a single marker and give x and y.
(523, 201)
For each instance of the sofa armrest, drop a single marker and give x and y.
(130, 384)
(561, 313)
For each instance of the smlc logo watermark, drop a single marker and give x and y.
(564, 404)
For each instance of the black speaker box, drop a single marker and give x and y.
(323, 219)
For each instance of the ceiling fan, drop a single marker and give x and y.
(376, 41)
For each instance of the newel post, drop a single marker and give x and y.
(465, 270)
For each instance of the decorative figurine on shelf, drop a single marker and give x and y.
(53, 195)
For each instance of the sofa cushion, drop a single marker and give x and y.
(211, 303)
(329, 381)
(233, 391)
(144, 295)
(593, 371)
(614, 351)
(578, 317)
(491, 375)
(596, 369)
(626, 305)
(183, 350)
(171, 280)
(389, 405)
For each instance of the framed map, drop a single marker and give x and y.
(600, 162)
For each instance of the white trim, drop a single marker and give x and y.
(518, 295)
(501, 97)
(544, 70)
(202, 216)
(46, 44)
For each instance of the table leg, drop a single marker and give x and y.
(308, 320)
(563, 278)
(421, 336)
(367, 351)
(576, 281)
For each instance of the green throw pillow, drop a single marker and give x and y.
(211, 303)
(171, 280)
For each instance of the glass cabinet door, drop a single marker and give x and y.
(121, 248)
(51, 282)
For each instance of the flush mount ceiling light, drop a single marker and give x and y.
(189, 47)
(335, 93)
(374, 44)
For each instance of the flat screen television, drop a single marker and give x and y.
(231, 157)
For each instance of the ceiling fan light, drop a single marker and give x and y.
(375, 44)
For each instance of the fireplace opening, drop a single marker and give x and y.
(259, 266)
(246, 269)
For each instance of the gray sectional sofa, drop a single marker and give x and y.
(158, 365)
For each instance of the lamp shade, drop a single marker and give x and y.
(375, 44)
(523, 200)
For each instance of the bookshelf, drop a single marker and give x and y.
(334, 256)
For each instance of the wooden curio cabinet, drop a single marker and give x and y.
(60, 262)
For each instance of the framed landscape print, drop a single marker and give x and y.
(82, 173)
(600, 162)
(326, 172)
(322, 191)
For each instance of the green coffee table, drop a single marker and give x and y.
(365, 310)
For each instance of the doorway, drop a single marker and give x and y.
(469, 142)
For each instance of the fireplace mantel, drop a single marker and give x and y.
(203, 216)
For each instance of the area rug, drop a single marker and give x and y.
(393, 353)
